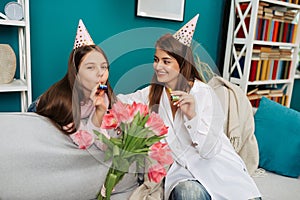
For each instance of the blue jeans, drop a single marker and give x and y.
(189, 190)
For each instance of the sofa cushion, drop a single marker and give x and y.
(273, 186)
(277, 129)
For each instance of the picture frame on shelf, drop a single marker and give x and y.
(161, 9)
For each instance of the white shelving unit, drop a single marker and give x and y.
(237, 70)
(23, 84)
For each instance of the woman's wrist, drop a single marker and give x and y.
(191, 116)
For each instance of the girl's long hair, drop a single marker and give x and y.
(56, 104)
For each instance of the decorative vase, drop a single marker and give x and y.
(7, 63)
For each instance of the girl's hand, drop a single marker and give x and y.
(98, 98)
(186, 103)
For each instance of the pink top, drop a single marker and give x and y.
(87, 112)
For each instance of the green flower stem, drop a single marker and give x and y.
(113, 177)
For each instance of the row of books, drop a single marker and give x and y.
(276, 12)
(275, 31)
(279, 99)
(255, 94)
(269, 70)
(266, 90)
(274, 23)
(272, 52)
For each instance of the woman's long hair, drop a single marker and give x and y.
(188, 72)
(62, 101)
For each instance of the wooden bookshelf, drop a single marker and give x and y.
(262, 48)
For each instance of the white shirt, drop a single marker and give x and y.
(213, 161)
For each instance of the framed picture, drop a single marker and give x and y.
(161, 9)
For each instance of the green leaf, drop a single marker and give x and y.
(153, 140)
(144, 120)
(116, 141)
(102, 137)
(123, 165)
(136, 119)
(132, 154)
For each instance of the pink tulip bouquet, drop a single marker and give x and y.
(140, 140)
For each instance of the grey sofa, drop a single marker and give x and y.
(38, 162)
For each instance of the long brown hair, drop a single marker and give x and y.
(56, 103)
(184, 57)
(62, 101)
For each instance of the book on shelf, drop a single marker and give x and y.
(275, 32)
(252, 91)
(263, 91)
(264, 70)
(253, 70)
(258, 70)
(276, 91)
(278, 8)
(275, 67)
(280, 35)
(271, 68)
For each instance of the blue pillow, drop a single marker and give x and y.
(277, 130)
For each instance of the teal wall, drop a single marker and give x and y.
(128, 40)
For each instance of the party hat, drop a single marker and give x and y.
(185, 34)
(83, 37)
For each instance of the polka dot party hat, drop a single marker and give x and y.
(185, 34)
(83, 37)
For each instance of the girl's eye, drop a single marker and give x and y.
(167, 62)
(90, 67)
(155, 60)
(104, 67)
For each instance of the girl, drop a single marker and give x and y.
(205, 163)
(76, 104)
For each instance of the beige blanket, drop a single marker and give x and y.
(239, 126)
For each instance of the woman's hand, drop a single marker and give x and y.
(186, 103)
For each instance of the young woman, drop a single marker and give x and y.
(205, 163)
